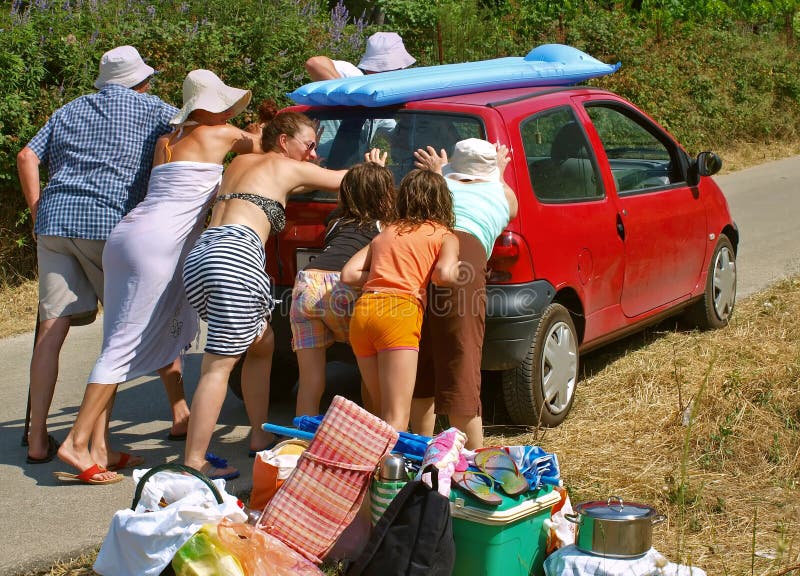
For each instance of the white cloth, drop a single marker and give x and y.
(346, 69)
(147, 319)
(569, 561)
(142, 542)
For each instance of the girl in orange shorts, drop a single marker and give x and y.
(417, 247)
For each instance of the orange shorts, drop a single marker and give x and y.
(383, 321)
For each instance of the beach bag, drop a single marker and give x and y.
(170, 504)
(271, 468)
(414, 537)
(324, 493)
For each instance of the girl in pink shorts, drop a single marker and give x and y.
(321, 303)
(417, 247)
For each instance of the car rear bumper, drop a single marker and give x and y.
(512, 316)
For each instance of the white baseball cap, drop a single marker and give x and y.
(473, 159)
(385, 52)
(122, 65)
(203, 90)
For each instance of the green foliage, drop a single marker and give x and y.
(712, 72)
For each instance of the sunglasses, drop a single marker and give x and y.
(309, 146)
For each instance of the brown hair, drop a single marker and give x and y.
(367, 194)
(288, 123)
(423, 197)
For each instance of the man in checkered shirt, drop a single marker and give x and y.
(98, 150)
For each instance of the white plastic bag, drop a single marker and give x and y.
(142, 541)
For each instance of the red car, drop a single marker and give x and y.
(618, 228)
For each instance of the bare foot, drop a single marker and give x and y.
(261, 439)
(38, 445)
(81, 460)
(180, 419)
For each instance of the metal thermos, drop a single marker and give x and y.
(393, 468)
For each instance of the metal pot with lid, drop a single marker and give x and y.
(614, 528)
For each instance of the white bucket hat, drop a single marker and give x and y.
(473, 159)
(203, 90)
(123, 66)
(385, 52)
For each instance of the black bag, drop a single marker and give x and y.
(414, 537)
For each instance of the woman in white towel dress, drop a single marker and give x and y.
(147, 320)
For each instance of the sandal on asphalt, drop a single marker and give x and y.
(86, 477)
(176, 437)
(498, 464)
(478, 485)
(216, 468)
(126, 461)
(52, 448)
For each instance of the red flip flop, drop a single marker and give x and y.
(86, 477)
(126, 461)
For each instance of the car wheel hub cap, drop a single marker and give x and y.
(724, 284)
(559, 367)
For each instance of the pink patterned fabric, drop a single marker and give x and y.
(322, 496)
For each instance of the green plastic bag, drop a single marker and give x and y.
(205, 555)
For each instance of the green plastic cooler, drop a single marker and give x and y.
(504, 540)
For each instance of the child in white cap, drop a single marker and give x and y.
(452, 337)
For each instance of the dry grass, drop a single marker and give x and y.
(728, 481)
(741, 155)
(18, 308)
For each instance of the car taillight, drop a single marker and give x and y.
(510, 262)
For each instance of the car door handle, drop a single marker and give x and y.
(620, 226)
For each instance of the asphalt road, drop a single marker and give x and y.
(42, 520)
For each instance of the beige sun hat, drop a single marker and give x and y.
(124, 66)
(385, 52)
(203, 90)
(473, 159)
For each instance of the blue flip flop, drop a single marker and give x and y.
(218, 463)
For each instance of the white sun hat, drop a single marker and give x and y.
(122, 65)
(203, 90)
(473, 159)
(385, 52)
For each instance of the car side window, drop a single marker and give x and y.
(639, 160)
(561, 166)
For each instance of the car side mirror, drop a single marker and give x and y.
(706, 164)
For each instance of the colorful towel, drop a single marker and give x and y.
(322, 496)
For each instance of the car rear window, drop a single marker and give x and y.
(345, 136)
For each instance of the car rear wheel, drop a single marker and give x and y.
(540, 391)
(715, 308)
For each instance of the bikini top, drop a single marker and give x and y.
(274, 210)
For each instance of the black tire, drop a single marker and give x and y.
(540, 391)
(282, 377)
(715, 308)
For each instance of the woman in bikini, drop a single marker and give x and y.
(226, 282)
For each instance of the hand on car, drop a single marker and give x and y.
(428, 159)
(377, 156)
(503, 157)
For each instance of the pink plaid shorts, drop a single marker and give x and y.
(321, 309)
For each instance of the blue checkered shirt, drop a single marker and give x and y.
(99, 151)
